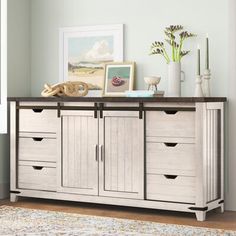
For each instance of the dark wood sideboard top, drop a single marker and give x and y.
(118, 99)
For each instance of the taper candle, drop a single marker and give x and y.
(198, 60)
(207, 52)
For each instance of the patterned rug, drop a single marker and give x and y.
(21, 221)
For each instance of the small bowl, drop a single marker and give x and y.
(152, 80)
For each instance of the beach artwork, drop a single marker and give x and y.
(119, 78)
(87, 57)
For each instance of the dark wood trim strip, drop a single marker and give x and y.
(95, 110)
(198, 208)
(140, 110)
(16, 192)
(169, 109)
(102, 108)
(18, 107)
(58, 110)
(119, 99)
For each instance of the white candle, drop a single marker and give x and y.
(198, 60)
(207, 52)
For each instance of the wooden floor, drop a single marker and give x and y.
(214, 219)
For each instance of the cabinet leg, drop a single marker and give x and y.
(222, 208)
(13, 197)
(201, 215)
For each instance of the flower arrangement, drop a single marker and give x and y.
(176, 48)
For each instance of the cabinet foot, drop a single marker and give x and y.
(222, 208)
(201, 216)
(13, 197)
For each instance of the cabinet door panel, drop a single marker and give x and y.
(121, 169)
(79, 166)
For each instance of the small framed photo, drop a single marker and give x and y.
(119, 77)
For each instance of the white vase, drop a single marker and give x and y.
(174, 79)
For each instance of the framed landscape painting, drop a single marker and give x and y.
(119, 77)
(84, 51)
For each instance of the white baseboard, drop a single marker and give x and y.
(4, 190)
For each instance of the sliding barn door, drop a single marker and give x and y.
(79, 160)
(121, 140)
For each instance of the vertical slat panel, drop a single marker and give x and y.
(80, 169)
(216, 155)
(83, 151)
(212, 154)
(121, 156)
(65, 150)
(128, 156)
(72, 138)
(222, 184)
(91, 140)
(136, 155)
(76, 149)
(107, 142)
(114, 174)
(209, 155)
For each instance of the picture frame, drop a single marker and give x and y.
(85, 50)
(119, 78)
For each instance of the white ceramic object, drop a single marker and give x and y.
(152, 81)
(174, 79)
(206, 83)
(198, 88)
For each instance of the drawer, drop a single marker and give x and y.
(171, 188)
(37, 176)
(37, 148)
(173, 124)
(38, 120)
(171, 158)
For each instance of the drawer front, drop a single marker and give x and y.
(37, 149)
(37, 177)
(171, 158)
(177, 124)
(171, 188)
(38, 120)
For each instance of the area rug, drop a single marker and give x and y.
(20, 221)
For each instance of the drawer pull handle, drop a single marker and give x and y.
(171, 112)
(171, 144)
(38, 167)
(37, 110)
(37, 139)
(171, 176)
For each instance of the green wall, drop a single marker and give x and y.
(18, 72)
(144, 23)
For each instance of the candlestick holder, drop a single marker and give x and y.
(206, 83)
(198, 87)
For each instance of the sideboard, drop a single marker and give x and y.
(159, 153)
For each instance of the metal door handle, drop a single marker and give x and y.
(96, 152)
(101, 152)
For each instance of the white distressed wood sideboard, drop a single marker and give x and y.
(159, 153)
